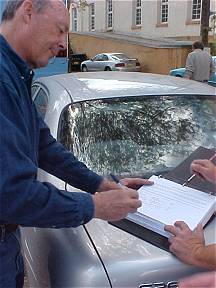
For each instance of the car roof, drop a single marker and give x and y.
(116, 53)
(101, 85)
(112, 53)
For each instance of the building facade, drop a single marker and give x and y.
(146, 18)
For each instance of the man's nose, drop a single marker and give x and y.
(63, 43)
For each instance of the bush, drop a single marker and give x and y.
(213, 48)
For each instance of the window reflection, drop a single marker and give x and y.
(136, 136)
(41, 101)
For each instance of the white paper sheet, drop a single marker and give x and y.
(167, 202)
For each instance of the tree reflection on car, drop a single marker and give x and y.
(120, 135)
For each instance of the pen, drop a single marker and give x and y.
(116, 180)
(194, 175)
(189, 179)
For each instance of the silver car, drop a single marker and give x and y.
(131, 124)
(111, 62)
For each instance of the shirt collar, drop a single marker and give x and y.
(26, 73)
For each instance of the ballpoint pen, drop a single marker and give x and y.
(116, 180)
(194, 175)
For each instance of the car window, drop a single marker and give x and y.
(104, 57)
(41, 101)
(120, 56)
(97, 58)
(135, 137)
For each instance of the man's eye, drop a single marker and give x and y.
(61, 30)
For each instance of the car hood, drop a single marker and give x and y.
(124, 255)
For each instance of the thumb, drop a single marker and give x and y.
(199, 231)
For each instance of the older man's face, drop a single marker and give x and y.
(48, 32)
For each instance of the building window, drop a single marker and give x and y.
(138, 14)
(164, 11)
(196, 9)
(109, 14)
(92, 16)
(74, 19)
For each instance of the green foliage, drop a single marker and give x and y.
(213, 48)
(80, 4)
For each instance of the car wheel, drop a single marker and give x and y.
(107, 69)
(179, 76)
(84, 68)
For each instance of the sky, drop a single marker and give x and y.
(1, 2)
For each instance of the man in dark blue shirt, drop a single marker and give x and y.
(31, 32)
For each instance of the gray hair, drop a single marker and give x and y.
(11, 6)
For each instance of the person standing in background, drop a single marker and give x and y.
(199, 64)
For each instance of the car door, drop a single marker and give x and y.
(96, 63)
(105, 62)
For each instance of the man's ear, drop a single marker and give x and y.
(27, 7)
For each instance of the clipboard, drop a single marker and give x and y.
(182, 172)
(179, 175)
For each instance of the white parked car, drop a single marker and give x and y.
(111, 62)
(131, 124)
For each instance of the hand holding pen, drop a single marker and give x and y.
(112, 203)
(203, 168)
(133, 183)
(116, 180)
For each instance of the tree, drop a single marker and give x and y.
(213, 24)
(204, 29)
(77, 3)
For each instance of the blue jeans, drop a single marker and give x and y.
(11, 261)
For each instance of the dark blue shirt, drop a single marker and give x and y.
(25, 145)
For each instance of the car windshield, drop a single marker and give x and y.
(138, 136)
(119, 56)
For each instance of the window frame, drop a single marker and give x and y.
(138, 13)
(74, 19)
(109, 14)
(164, 11)
(92, 16)
(196, 6)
